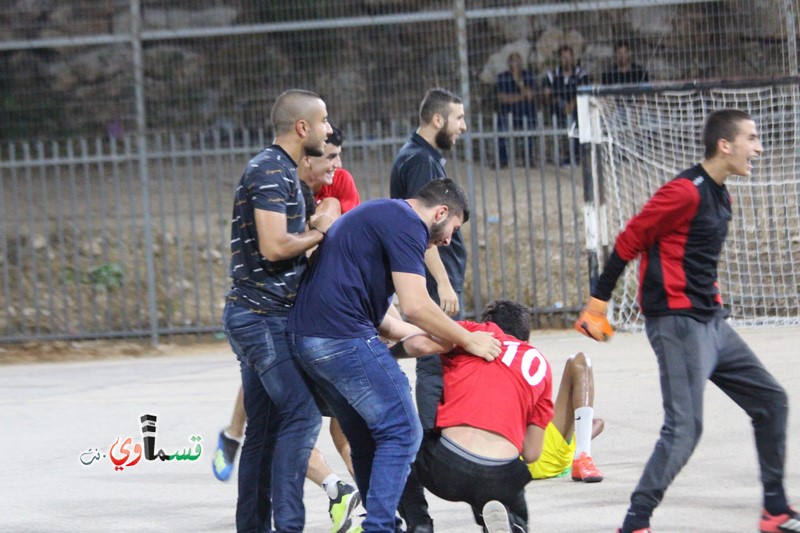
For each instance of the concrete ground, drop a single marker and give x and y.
(58, 416)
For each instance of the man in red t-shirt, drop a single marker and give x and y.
(489, 415)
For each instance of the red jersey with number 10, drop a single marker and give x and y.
(503, 396)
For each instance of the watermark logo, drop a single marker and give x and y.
(128, 453)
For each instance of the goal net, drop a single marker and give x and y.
(642, 137)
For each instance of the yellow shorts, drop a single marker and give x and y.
(557, 455)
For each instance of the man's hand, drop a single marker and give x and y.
(592, 321)
(321, 222)
(483, 345)
(448, 299)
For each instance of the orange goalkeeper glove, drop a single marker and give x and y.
(592, 321)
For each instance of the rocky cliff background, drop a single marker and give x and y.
(371, 59)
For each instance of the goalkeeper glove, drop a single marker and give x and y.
(592, 321)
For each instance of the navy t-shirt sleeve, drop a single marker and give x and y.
(269, 187)
(406, 251)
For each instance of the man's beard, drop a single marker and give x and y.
(314, 150)
(444, 140)
(437, 231)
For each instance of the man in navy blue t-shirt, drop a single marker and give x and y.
(372, 252)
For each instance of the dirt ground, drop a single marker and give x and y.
(96, 350)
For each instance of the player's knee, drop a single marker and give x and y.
(580, 361)
(578, 364)
(777, 404)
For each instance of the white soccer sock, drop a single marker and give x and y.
(239, 440)
(584, 416)
(330, 486)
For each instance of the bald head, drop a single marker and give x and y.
(291, 106)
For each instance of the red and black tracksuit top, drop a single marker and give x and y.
(679, 233)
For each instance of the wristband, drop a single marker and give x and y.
(319, 230)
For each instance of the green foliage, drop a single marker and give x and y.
(106, 277)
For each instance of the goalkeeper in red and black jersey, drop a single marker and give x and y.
(678, 236)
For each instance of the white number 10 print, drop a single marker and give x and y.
(527, 362)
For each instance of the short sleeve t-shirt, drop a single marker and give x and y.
(417, 164)
(504, 396)
(507, 85)
(270, 183)
(343, 188)
(347, 290)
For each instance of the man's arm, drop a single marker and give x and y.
(448, 299)
(276, 243)
(533, 443)
(421, 311)
(671, 206)
(394, 328)
(420, 345)
(330, 207)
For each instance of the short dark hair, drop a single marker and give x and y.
(622, 43)
(289, 107)
(336, 137)
(444, 192)
(436, 100)
(512, 317)
(564, 47)
(721, 124)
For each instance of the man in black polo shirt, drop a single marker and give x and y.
(420, 161)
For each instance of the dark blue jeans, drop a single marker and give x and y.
(282, 423)
(371, 397)
(518, 122)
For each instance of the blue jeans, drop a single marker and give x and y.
(371, 397)
(282, 423)
(517, 122)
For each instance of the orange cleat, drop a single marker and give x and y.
(583, 469)
(781, 523)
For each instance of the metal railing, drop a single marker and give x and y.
(75, 260)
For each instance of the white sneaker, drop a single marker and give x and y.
(495, 517)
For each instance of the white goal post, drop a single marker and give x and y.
(635, 138)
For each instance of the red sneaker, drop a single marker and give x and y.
(583, 469)
(782, 523)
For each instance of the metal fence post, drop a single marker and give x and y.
(141, 135)
(460, 9)
(589, 138)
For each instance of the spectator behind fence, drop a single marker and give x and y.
(561, 91)
(516, 91)
(624, 70)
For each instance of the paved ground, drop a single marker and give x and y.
(52, 413)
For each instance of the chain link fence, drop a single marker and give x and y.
(124, 125)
